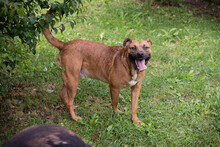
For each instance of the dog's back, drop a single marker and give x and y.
(93, 58)
(45, 136)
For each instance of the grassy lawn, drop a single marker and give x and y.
(180, 95)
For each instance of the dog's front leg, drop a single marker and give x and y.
(114, 98)
(135, 91)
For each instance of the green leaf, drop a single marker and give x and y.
(44, 4)
(42, 23)
(4, 10)
(109, 128)
(33, 51)
(74, 5)
(63, 28)
(72, 24)
(55, 30)
(21, 12)
(53, 6)
(32, 20)
(49, 18)
(12, 12)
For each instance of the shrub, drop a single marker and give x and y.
(21, 25)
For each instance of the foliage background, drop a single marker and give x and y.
(21, 25)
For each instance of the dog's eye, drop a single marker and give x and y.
(133, 48)
(145, 47)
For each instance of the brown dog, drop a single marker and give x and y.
(118, 66)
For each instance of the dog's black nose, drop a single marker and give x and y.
(140, 54)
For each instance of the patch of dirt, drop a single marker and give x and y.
(24, 104)
(95, 137)
(203, 8)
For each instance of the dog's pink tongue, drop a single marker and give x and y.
(140, 65)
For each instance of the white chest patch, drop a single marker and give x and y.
(134, 80)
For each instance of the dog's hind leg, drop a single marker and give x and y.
(68, 100)
(68, 93)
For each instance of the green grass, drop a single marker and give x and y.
(180, 95)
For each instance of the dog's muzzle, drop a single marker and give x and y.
(141, 60)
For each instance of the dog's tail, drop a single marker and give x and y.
(54, 41)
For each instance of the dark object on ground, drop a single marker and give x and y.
(45, 136)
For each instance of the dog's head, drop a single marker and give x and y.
(139, 52)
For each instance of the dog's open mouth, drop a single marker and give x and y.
(141, 65)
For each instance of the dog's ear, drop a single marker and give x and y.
(127, 41)
(149, 41)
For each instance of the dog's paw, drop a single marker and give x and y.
(142, 124)
(138, 122)
(74, 107)
(76, 118)
(117, 111)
